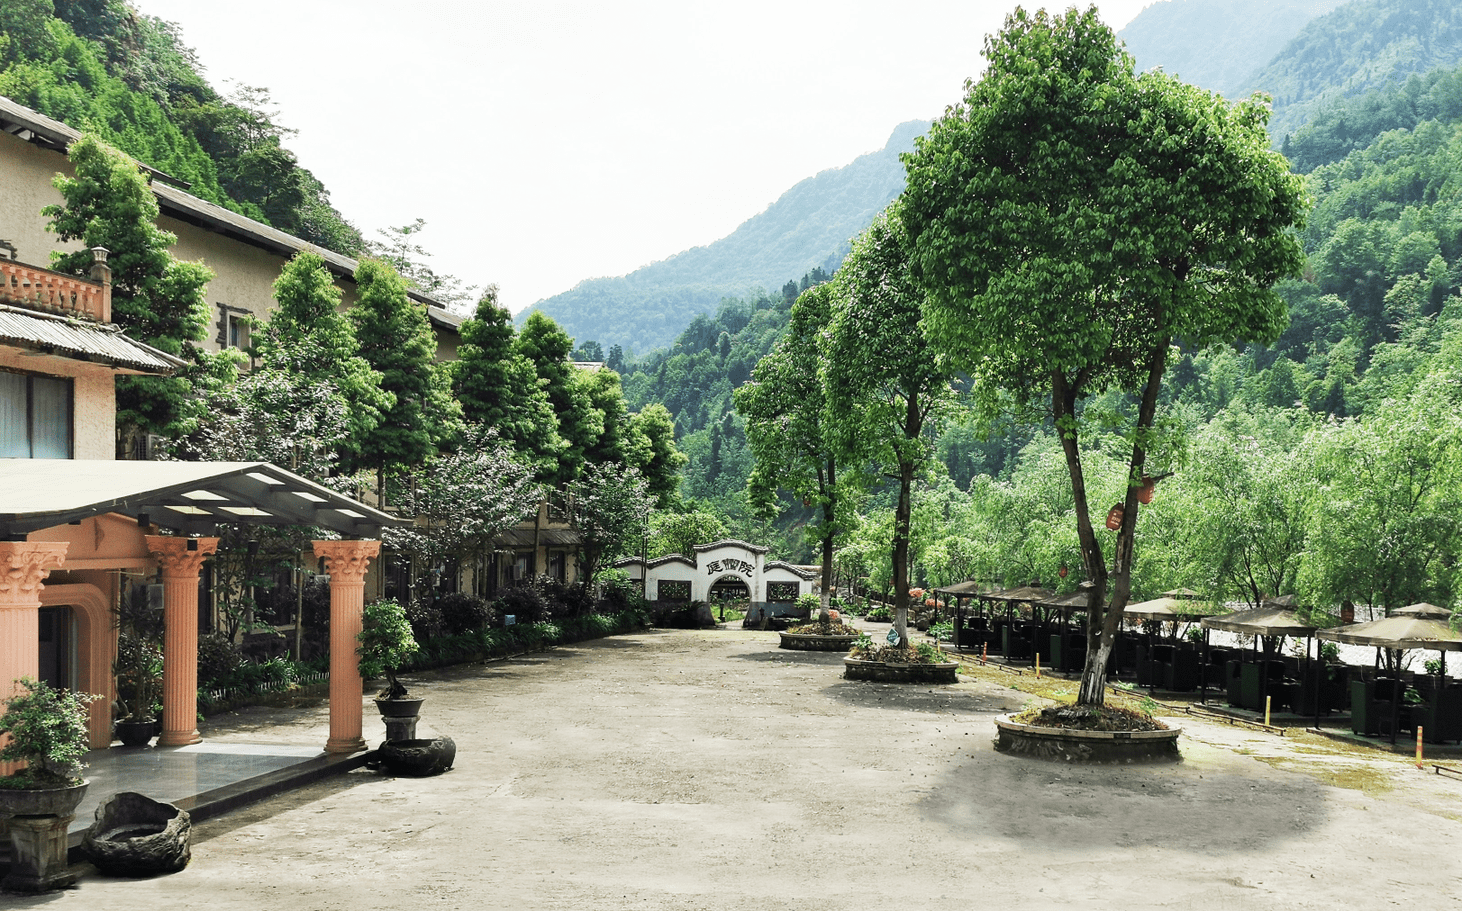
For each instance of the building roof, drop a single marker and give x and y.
(75, 339)
(798, 571)
(191, 497)
(37, 128)
(731, 542)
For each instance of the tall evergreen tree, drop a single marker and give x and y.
(155, 298)
(307, 337)
(499, 387)
(547, 346)
(396, 340)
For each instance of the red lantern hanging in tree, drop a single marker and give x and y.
(1114, 516)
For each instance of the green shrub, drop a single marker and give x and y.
(48, 731)
(386, 644)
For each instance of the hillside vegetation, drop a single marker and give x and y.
(1358, 48)
(99, 66)
(1218, 44)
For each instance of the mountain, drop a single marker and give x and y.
(1358, 47)
(808, 227)
(1218, 44)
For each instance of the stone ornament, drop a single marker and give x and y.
(347, 561)
(24, 565)
(175, 557)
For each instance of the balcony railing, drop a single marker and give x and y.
(65, 295)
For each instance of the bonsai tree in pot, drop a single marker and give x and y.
(47, 730)
(386, 644)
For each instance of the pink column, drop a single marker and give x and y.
(24, 565)
(180, 560)
(346, 562)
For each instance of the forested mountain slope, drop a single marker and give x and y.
(1218, 44)
(808, 227)
(99, 66)
(1359, 47)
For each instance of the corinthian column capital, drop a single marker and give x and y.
(347, 561)
(174, 556)
(24, 565)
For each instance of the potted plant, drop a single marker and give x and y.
(386, 644)
(138, 668)
(48, 732)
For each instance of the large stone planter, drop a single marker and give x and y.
(1086, 746)
(417, 758)
(813, 642)
(880, 672)
(37, 822)
(135, 835)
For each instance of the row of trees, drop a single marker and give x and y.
(469, 446)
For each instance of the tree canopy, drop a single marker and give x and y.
(1071, 219)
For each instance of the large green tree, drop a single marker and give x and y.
(785, 407)
(1071, 220)
(396, 339)
(653, 451)
(499, 387)
(307, 338)
(580, 425)
(887, 387)
(155, 298)
(612, 505)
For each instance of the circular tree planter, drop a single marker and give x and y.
(1070, 745)
(882, 672)
(814, 642)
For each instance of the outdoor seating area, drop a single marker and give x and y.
(1249, 672)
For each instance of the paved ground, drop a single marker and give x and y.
(710, 770)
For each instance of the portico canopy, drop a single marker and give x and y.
(190, 497)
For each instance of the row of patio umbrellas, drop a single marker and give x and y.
(1416, 626)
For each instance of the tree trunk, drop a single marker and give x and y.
(1104, 617)
(829, 531)
(901, 521)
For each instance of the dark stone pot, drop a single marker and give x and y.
(135, 835)
(880, 672)
(1069, 745)
(417, 758)
(136, 733)
(42, 802)
(403, 707)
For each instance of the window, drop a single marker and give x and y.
(672, 590)
(233, 327)
(35, 416)
(782, 592)
(238, 332)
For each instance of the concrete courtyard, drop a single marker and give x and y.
(711, 770)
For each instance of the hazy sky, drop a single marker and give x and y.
(550, 141)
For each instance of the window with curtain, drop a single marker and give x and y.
(35, 416)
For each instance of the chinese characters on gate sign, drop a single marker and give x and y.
(729, 566)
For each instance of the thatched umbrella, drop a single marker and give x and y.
(1183, 594)
(1078, 600)
(1270, 621)
(1423, 610)
(1397, 633)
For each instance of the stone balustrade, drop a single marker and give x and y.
(63, 295)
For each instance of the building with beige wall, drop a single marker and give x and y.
(245, 255)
